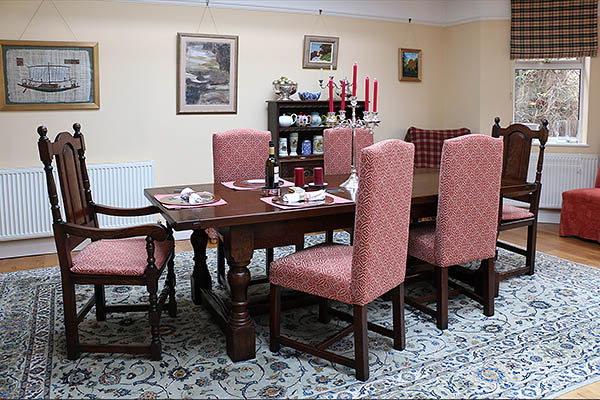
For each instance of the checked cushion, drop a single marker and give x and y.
(428, 144)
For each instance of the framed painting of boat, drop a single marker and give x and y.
(207, 68)
(37, 75)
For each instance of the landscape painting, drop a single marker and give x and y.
(320, 52)
(410, 63)
(206, 73)
(36, 75)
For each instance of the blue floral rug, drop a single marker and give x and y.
(543, 339)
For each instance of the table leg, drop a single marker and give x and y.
(200, 277)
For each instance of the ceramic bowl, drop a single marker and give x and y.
(309, 95)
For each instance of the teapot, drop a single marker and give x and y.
(302, 120)
(287, 120)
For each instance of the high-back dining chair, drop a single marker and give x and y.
(428, 144)
(134, 255)
(517, 140)
(238, 154)
(358, 274)
(467, 218)
(337, 145)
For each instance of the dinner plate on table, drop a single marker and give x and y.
(327, 200)
(205, 198)
(253, 183)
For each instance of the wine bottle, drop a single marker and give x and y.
(271, 169)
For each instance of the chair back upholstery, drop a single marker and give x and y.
(382, 219)
(469, 194)
(337, 157)
(240, 154)
(69, 152)
(428, 144)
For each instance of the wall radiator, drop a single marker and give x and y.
(25, 208)
(563, 172)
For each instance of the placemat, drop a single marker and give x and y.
(172, 207)
(336, 200)
(230, 185)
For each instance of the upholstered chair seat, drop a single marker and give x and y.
(126, 257)
(511, 213)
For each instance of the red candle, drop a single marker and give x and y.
(375, 95)
(343, 94)
(299, 176)
(367, 93)
(330, 95)
(354, 71)
(318, 176)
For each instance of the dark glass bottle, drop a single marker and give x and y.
(271, 169)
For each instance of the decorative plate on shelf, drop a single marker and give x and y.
(253, 183)
(328, 200)
(205, 198)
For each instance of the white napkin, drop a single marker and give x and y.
(186, 193)
(195, 199)
(304, 196)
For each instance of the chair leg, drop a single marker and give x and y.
(171, 281)
(489, 288)
(154, 318)
(324, 315)
(270, 257)
(352, 239)
(70, 317)
(531, 242)
(441, 287)
(100, 302)
(220, 263)
(361, 343)
(398, 310)
(274, 318)
(329, 237)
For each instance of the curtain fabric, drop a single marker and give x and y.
(553, 28)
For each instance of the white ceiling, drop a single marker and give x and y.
(429, 12)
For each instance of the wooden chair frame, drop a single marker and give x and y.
(81, 224)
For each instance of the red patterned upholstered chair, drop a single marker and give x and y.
(337, 144)
(580, 215)
(238, 154)
(134, 255)
(517, 140)
(358, 274)
(428, 144)
(467, 218)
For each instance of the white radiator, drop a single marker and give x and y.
(563, 172)
(25, 208)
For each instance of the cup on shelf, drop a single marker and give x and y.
(299, 177)
(293, 143)
(306, 147)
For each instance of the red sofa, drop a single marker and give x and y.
(580, 214)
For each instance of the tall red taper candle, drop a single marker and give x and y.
(375, 95)
(343, 95)
(367, 93)
(354, 71)
(330, 95)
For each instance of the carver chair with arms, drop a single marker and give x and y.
(517, 140)
(357, 274)
(127, 256)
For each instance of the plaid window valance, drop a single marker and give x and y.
(553, 28)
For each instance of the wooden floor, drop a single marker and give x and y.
(548, 241)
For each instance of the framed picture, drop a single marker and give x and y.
(409, 65)
(320, 52)
(207, 69)
(48, 75)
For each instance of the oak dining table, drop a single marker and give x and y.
(246, 224)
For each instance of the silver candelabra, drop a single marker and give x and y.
(370, 121)
(338, 88)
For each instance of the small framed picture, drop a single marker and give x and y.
(36, 75)
(320, 52)
(410, 63)
(207, 70)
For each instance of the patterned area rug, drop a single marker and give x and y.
(543, 339)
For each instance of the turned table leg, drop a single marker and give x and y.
(200, 277)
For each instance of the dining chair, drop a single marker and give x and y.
(357, 274)
(428, 144)
(580, 214)
(126, 256)
(517, 140)
(238, 154)
(465, 228)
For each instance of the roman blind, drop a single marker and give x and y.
(553, 28)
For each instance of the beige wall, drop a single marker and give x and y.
(137, 45)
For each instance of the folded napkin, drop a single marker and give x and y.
(304, 196)
(188, 195)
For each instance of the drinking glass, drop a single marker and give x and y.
(572, 126)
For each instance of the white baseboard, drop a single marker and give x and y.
(549, 216)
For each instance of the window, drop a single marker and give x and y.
(552, 90)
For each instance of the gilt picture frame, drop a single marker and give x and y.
(320, 52)
(410, 64)
(207, 73)
(40, 75)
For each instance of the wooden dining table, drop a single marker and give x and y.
(246, 223)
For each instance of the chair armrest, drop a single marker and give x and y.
(155, 231)
(126, 212)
